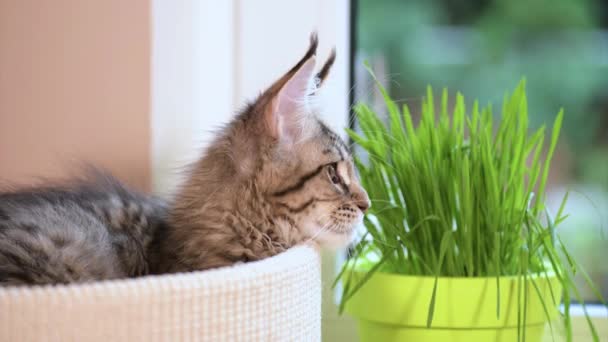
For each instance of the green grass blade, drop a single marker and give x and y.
(445, 240)
(554, 136)
(429, 318)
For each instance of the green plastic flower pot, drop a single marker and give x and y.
(392, 307)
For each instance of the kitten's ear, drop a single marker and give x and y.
(286, 115)
(322, 74)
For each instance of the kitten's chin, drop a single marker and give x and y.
(334, 240)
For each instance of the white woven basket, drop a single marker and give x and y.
(276, 299)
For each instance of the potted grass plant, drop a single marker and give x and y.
(458, 243)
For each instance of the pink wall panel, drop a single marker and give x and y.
(74, 86)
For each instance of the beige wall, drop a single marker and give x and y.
(74, 86)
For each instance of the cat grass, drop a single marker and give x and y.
(461, 193)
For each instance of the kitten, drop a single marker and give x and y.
(273, 178)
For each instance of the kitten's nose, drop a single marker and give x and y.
(363, 205)
(361, 199)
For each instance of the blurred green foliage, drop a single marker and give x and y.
(482, 47)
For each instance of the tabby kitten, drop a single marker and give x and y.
(273, 178)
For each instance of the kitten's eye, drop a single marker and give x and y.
(333, 173)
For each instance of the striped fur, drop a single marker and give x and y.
(89, 230)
